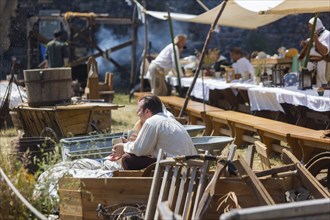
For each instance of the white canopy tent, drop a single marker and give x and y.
(250, 14)
(288, 7)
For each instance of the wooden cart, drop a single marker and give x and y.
(65, 120)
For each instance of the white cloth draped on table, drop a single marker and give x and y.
(261, 98)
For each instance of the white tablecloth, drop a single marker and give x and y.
(261, 98)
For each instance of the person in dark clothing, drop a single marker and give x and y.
(57, 52)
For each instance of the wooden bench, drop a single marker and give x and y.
(305, 144)
(302, 141)
(196, 111)
(199, 112)
(139, 95)
(270, 134)
(236, 124)
(175, 103)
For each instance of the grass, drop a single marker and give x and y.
(11, 207)
(124, 118)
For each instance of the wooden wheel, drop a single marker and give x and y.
(48, 132)
(319, 166)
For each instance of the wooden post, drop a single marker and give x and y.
(176, 56)
(133, 49)
(202, 59)
(145, 51)
(93, 79)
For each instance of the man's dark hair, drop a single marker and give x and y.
(57, 33)
(237, 50)
(152, 103)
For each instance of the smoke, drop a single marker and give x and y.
(106, 39)
(159, 33)
(158, 36)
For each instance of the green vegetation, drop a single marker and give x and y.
(10, 206)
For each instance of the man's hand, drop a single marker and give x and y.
(303, 43)
(117, 151)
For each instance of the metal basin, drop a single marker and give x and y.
(194, 130)
(211, 143)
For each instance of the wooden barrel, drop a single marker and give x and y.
(46, 87)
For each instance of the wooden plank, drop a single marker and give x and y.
(174, 190)
(188, 204)
(30, 127)
(26, 125)
(128, 173)
(256, 185)
(152, 200)
(276, 170)
(75, 121)
(250, 155)
(219, 123)
(139, 95)
(182, 190)
(70, 197)
(109, 191)
(311, 184)
(164, 188)
(263, 154)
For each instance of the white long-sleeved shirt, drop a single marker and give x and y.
(243, 66)
(166, 58)
(324, 38)
(161, 132)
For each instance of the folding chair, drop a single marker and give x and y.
(181, 182)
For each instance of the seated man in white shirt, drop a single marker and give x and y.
(159, 131)
(241, 64)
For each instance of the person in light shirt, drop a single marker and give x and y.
(319, 54)
(241, 64)
(163, 64)
(159, 131)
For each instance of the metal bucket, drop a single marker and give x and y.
(48, 86)
(211, 143)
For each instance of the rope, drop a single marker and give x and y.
(19, 195)
(230, 200)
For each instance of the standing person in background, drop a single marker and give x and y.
(164, 62)
(319, 54)
(159, 131)
(241, 64)
(57, 52)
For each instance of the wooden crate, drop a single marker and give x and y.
(79, 197)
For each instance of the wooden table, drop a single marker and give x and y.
(270, 62)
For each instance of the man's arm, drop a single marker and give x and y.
(177, 61)
(145, 143)
(321, 48)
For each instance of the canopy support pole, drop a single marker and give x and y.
(177, 68)
(201, 59)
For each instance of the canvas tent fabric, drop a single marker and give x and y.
(249, 14)
(288, 7)
(233, 16)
